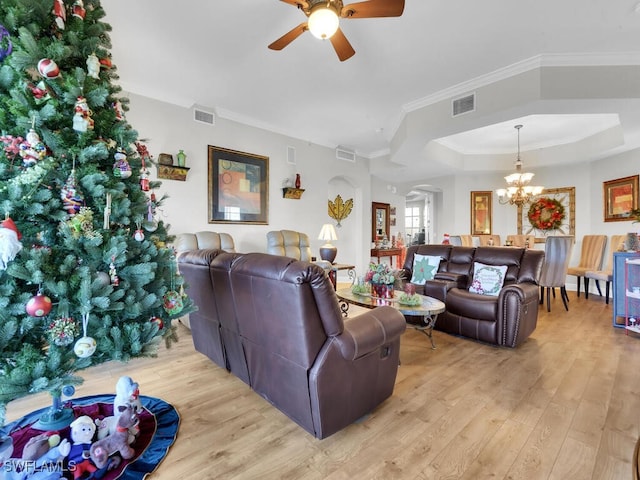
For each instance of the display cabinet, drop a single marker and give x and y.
(632, 295)
(624, 305)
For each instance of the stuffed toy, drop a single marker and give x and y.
(41, 459)
(82, 431)
(117, 442)
(9, 242)
(127, 393)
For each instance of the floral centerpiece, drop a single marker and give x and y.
(546, 214)
(382, 278)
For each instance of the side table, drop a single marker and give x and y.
(387, 252)
(333, 272)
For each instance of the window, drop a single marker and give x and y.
(412, 222)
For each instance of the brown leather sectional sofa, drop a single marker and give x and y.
(506, 319)
(274, 322)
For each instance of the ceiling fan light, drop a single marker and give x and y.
(323, 23)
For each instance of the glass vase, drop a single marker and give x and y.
(382, 290)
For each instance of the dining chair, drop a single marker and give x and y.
(489, 240)
(591, 255)
(557, 254)
(521, 241)
(606, 275)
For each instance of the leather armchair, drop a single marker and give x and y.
(289, 243)
(204, 240)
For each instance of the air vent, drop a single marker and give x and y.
(202, 116)
(291, 155)
(464, 104)
(346, 155)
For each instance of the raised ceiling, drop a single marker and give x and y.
(382, 102)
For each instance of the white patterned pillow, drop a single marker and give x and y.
(424, 268)
(487, 279)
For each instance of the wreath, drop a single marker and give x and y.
(546, 214)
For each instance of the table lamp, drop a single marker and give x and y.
(327, 251)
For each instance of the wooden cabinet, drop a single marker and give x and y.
(626, 277)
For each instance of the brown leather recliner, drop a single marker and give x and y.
(506, 319)
(280, 326)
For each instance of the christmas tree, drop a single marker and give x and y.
(86, 272)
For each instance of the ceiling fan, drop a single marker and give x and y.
(323, 20)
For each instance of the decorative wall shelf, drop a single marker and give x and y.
(294, 193)
(172, 172)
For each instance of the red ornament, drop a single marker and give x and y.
(158, 321)
(48, 68)
(39, 305)
(78, 10)
(106, 62)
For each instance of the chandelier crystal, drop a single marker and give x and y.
(518, 191)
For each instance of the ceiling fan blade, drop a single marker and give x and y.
(373, 8)
(342, 46)
(288, 37)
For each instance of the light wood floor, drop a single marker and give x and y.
(565, 405)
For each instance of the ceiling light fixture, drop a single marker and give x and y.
(323, 21)
(518, 191)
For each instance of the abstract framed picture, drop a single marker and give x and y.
(553, 212)
(481, 213)
(238, 187)
(620, 197)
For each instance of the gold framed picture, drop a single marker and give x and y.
(481, 213)
(620, 197)
(553, 212)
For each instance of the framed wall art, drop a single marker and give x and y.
(553, 212)
(238, 187)
(481, 213)
(620, 197)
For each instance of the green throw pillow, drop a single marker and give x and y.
(424, 268)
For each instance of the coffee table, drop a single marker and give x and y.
(428, 310)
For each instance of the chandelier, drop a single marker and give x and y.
(518, 191)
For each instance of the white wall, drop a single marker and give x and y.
(168, 128)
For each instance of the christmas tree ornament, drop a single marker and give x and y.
(172, 300)
(62, 331)
(121, 168)
(102, 278)
(82, 120)
(39, 91)
(72, 198)
(117, 107)
(9, 242)
(85, 346)
(107, 213)
(11, 145)
(113, 274)
(138, 235)
(158, 321)
(78, 10)
(144, 178)
(38, 305)
(32, 149)
(106, 62)
(81, 224)
(93, 66)
(150, 224)
(60, 13)
(6, 47)
(48, 68)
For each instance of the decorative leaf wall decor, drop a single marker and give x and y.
(339, 209)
